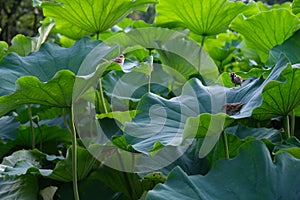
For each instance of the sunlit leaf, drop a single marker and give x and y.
(266, 29)
(77, 18)
(296, 7)
(280, 97)
(200, 16)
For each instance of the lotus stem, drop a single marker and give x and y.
(74, 155)
(200, 52)
(31, 126)
(151, 69)
(287, 126)
(225, 143)
(102, 96)
(292, 123)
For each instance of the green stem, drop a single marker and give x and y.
(151, 69)
(98, 36)
(74, 155)
(292, 123)
(287, 126)
(31, 126)
(225, 143)
(200, 52)
(102, 95)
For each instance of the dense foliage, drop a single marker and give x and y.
(168, 122)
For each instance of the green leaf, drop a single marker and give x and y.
(163, 121)
(57, 92)
(76, 18)
(207, 126)
(200, 16)
(43, 64)
(296, 7)
(267, 29)
(23, 187)
(21, 45)
(3, 48)
(251, 175)
(63, 169)
(30, 162)
(290, 48)
(280, 97)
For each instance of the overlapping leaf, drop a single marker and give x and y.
(267, 29)
(76, 18)
(20, 187)
(296, 7)
(43, 64)
(251, 175)
(290, 48)
(161, 122)
(280, 98)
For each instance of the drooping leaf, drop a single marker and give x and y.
(23, 187)
(160, 122)
(280, 97)
(43, 64)
(251, 175)
(76, 18)
(57, 92)
(267, 29)
(251, 94)
(202, 17)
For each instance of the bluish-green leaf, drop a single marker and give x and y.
(251, 175)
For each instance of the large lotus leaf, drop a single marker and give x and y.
(200, 16)
(161, 122)
(43, 64)
(296, 7)
(280, 97)
(76, 18)
(290, 48)
(23, 187)
(57, 92)
(251, 175)
(251, 94)
(267, 29)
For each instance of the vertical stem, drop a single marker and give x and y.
(200, 52)
(225, 143)
(151, 69)
(287, 126)
(31, 126)
(292, 123)
(98, 36)
(102, 96)
(74, 155)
